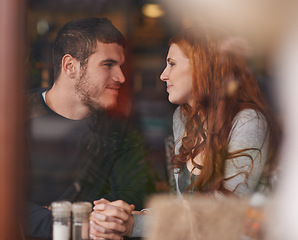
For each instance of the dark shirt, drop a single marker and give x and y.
(80, 160)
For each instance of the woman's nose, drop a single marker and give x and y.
(164, 76)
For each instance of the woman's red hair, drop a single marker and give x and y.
(223, 85)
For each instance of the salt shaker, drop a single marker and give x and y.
(61, 212)
(80, 221)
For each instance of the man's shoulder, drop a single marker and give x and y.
(34, 103)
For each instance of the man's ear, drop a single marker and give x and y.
(70, 65)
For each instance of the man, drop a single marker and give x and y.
(77, 151)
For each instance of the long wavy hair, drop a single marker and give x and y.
(222, 86)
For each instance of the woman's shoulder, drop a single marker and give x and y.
(249, 121)
(249, 115)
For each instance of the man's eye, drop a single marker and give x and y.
(109, 65)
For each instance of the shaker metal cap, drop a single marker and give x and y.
(61, 208)
(81, 208)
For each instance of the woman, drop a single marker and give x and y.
(226, 136)
(225, 133)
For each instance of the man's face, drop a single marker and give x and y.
(100, 79)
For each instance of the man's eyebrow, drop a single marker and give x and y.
(109, 61)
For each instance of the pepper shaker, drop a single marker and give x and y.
(80, 221)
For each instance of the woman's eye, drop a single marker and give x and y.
(171, 64)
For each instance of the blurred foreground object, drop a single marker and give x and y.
(12, 81)
(202, 217)
(284, 211)
(263, 22)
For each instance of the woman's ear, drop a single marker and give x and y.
(70, 65)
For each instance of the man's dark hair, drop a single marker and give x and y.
(79, 39)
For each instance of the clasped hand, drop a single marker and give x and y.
(111, 220)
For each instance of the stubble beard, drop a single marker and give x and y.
(86, 91)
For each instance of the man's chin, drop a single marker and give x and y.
(103, 106)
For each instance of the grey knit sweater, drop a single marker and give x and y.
(248, 132)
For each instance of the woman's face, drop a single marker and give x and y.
(178, 77)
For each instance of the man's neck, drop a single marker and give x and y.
(63, 100)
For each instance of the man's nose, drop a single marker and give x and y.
(119, 76)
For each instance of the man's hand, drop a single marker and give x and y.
(111, 220)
